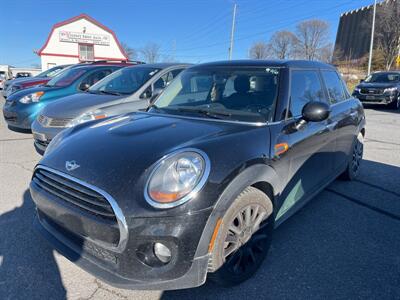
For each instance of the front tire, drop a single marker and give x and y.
(355, 159)
(244, 238)
(395, 104)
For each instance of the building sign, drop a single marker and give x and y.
(84, 38)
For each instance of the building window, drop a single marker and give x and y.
(86, 52)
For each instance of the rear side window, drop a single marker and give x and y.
(334, 86)
(96, 76)
(305, 86)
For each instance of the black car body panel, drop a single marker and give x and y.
(115, 157)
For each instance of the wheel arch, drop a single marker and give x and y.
(260, 176)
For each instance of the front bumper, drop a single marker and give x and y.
(132, 265)
(17, 116)
(376, 99)
(43, 135)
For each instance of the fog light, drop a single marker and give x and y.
(162, 252)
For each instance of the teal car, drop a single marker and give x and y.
(21, 108)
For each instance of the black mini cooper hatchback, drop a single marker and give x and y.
(194, 187)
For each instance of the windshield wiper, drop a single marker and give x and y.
(207, 112)
(111, 93)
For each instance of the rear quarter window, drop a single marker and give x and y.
(334, 86)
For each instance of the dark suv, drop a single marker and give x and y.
(380, 88)
(195, 186)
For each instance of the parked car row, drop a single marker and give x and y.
(22, 106)
(162, 190)
(13, 85)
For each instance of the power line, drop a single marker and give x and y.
(244, 37)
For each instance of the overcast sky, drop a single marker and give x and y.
(189, 30)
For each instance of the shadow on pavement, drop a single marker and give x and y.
(28, 269)
(381, 107)
(20, 130)
(332, 248)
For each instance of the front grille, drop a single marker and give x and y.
(10, 116)
(59, 122)
(53, 122)
(371, 91)
(74, 193)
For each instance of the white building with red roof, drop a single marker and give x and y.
(79, 39)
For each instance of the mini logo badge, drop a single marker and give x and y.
(71, 165)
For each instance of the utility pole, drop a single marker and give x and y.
(232, 31)
(371, 47)
(173, 49)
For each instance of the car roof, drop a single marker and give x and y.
(387, 72)
(269, 63)
(164, 65)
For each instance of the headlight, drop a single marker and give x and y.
(390, 90)
(357, 90)
(34, 97)
(86, 117)
(177, 178)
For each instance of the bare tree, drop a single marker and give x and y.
(388, 32)
(151, 52)
(311, 37)
(259, 50)
(325, 54)
(129, 51)
(281, 44)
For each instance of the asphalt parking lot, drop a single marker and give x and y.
(344, 244)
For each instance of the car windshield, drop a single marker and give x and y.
(2, 74)
(233, 93)
(125, 81)
(67, 77)
(51, 72)
(383, 77)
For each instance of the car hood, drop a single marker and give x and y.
(117, 154)
(17, 80)
(379, 85)
(74, 105)
(19, 94)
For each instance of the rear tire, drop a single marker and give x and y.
(355, 159)
(243, 239)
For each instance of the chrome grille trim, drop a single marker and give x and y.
(367, 91)
(117, 212)
(53, 122)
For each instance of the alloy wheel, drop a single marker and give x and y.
(246, 239)
(357, 155)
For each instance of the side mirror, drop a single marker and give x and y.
(84, 86)
(155, 94)
(315, 111)
(147, 94)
